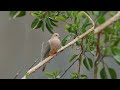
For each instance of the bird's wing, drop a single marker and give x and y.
(46, 50)
(46, 53)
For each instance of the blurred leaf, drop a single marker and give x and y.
(60, 18)
(117, 58)
(101, 20)
(78, 43)
(116, 50)
(83, 77)
(53, 23)
(108, 30)
(53, 19)
(27, 75)
(64, 41)
(73, 57)
(14, 14)
(48, 26)
(86, 64)
(112, 73)
(49, 74)
(37, 23)
(103, 73)
(96, 12)
(78, 17)
(107, 51)
(67, 27)
(74, 75)
(90, 62)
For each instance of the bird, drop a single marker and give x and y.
(51, 47)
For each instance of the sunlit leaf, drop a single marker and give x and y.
(67, 27)
(49, 74)
(60, 18)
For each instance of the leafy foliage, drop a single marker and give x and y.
(54, 74)
(76, 23)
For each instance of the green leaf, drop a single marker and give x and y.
(96, 12)
(112, 73)
(49, 74)
(73, 57)
(60, 18)
(116, 50)
(27, 75)
(53, 19)
(101, 20)
(64, 41)
(83, 77)
(86, 64)
(14, 14)
(53, 23)
(74, 75)
(107, 51)
(78, 43)
(48, 26)
(117, 58)
(37, 23)
(79, 16)
(22, 13)
(67, 27)
(90, 62)
(103, 73)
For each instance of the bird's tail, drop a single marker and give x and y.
(44, 66)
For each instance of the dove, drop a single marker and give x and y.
(52, 47)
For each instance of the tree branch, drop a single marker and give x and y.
(107, 23)
(97, 30)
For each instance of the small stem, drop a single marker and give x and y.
(17, 74)
(68, 68)
(33, 63)
(97, 56)
(80, 56)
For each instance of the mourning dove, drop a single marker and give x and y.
(52, 47)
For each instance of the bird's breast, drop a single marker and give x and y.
(55, 44)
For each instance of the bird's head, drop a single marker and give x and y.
(56, 35)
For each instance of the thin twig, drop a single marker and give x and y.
(68, 68)
(98, 29)
(33, 63)
(107, 23)
(93, 24)
(17, 74)
(80, 57)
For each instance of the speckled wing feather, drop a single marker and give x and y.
(46, 53)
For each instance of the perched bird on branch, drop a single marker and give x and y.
(52, 47)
